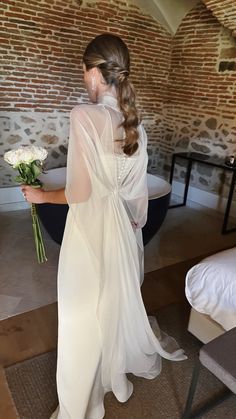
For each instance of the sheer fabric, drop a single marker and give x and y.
(108, 198)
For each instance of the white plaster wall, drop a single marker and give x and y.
(169, 13)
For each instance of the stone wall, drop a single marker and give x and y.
(48, 130)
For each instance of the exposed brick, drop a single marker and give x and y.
(176, 78)
(224, 11)
(65, 68)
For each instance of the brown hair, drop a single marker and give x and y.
(110, 54)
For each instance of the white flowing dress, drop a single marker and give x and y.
(103, 332)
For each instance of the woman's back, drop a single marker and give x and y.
(95, 139)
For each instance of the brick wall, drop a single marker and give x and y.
(41, 47)
(187, 98)
(224, 11)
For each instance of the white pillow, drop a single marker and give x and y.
(210, 287)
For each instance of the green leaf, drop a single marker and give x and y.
(35, 169)
(36, 184)
(18, 179)
(24, 172)
(21, 170)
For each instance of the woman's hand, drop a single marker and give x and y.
(33, 195)
(40, 196)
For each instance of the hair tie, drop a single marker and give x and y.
(123, 74)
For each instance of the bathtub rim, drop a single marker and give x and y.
(150, 176)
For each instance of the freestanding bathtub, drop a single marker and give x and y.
(53, 216)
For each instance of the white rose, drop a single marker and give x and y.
(39, 153)
(25, 155)
(11, 157)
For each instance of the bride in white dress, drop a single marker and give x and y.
(103, 330)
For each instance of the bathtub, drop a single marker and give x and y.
(53, 216)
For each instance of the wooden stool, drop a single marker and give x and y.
(219, 357)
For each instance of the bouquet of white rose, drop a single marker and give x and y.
(29, 162)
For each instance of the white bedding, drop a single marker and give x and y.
(211, 287)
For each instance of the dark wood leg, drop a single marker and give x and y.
(192, 389)
(189, 168)
(187, 180)
(197, 414)
(228, 206)
(172, 169)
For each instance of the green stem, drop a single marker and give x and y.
(40, 239)
(41, 255)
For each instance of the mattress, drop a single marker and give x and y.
(203, 327)
(210, 287)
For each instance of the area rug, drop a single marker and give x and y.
(33, 388)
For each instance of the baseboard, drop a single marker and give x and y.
(204, 198)
(11, 199)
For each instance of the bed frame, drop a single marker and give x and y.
(203, 327)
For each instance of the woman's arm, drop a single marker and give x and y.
(40, 196)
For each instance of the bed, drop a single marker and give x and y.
(210, 288)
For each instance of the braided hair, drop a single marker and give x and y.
(110, 55)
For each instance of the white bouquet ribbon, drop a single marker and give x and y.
(28, 160)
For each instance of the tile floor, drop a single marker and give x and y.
(189, 231)
(25, 285)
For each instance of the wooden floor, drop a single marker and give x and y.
(22, 337)
(35, 332)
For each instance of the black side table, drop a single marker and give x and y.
(192, 157)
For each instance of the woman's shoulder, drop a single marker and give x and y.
(86, 109)
(91, 117)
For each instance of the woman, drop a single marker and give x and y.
(104, 331)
